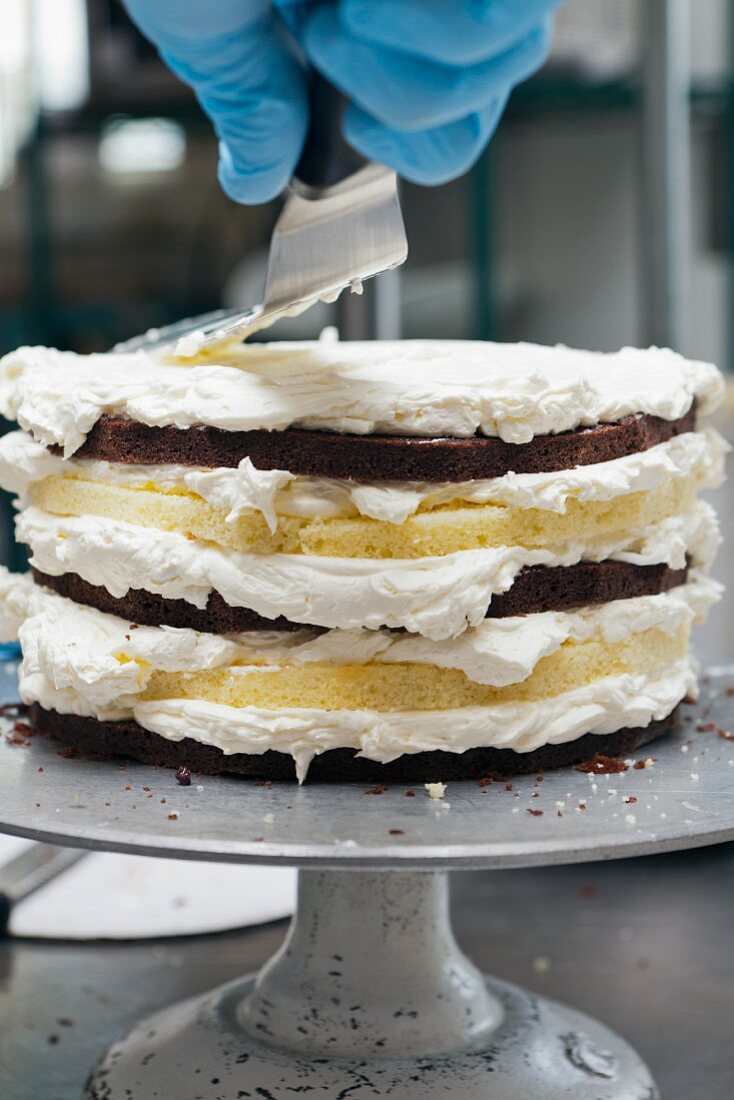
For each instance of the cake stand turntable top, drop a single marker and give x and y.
(682, 800)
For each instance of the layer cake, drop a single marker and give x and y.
(414, 561)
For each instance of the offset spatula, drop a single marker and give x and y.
(341, 224)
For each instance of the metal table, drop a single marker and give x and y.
(371, 996)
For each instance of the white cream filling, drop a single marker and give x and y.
(603, 706)
(436, 597)
(424, 388)
(100, 658)
(276, 492)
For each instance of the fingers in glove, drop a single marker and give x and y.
(240, 63)
(454, 32)
(430, 156)
(408, 93)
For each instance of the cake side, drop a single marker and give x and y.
(265, 613)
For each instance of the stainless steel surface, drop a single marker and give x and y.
(324, 241)
(22, 876)
(371, 997)
(156, 339)
(666, 175)
(644, 944)
(685, 799)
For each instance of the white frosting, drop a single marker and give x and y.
(77, 660)
(603, 706)
(425, 388)
(436, 596)
(100, 658)
(275, 492)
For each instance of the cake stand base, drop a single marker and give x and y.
(370, 996)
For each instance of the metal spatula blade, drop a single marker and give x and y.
(341, 224)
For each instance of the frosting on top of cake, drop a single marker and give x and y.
(422, 388)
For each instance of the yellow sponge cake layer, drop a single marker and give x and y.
(410, 687)
(440, 532)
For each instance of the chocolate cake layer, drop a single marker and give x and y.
(537, 588)
(129, 739)
(377, 457)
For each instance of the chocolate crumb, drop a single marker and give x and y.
(706, 727)
(729, 690)
(536, 813)
(379, 788)
(630, 800)
(40, 769)
(410, 793)
(486, 781)
(53, 1040)
(183, 776)
(397, 832)
(688, 701)
(508, 786)
(17, 739)
(582, 805)
(68, 753)
(173, 816)
(726, 734)
(602, 765)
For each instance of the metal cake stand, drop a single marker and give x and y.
(370, 995)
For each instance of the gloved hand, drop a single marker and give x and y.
(427, 79)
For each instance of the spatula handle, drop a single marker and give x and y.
(326, 158)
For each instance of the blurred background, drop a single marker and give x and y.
(599, 216)
(111, 218)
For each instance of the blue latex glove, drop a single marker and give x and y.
(242, 63)
(427, 79)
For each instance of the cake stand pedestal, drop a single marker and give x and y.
(370, 995)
